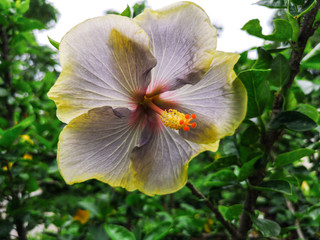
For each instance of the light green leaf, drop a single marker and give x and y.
(22, 6)
(91, 207)
(159, 232)
(280, 186)
(292, 120)
(117, 232)
(231, 213)
(10, 135)
(257, 89)
(3, 92)
(267, 227)
(126, 12)
(282, 30)
(309, 110)
(307, 87)
(280, 71)
(290, 157)
(312, 59)
(54, 43)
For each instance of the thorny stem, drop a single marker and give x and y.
(231, 229)
(270, 137)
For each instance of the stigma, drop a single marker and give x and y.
(177, 120)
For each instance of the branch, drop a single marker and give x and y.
(5, 55)
(297, 222)
(231, 229)
(270, 137)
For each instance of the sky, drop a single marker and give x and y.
(231, 15)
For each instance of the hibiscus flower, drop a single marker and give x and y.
(141, 97)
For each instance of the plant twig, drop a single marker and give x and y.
(270, 137)
(297, 223)
(231, 229)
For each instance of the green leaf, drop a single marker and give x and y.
(290, 101)
(257, 89)
(222, 178)
(91, 207)
(312, 59)
(264, 59)
(10, 135)
(297, 11)
(126, 12)
(290, 157)
(280, 186)
(280, 71)
(5, 4)
(309, 110)
(138, 8)
(251, 135)
(159, 232)
(3, 92)
(54, 43)
(292, 120)
(282, 30)
(222, 162)
(295, 26)
(267, 227)
(231, 213)
(272, 3)
(247, 168)
(98, 232)
(117, 232)
(22, 6)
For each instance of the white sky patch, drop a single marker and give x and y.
(231, 15)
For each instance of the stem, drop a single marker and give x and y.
(269, 138)
(231, 229)
(5, 55)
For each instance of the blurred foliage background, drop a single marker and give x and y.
(262, 183)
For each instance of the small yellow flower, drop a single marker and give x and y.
(27, 139)
(5, 168)
(305, 188)
(81, 216)
(207, 227)
(27, 156)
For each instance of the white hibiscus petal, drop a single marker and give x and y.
(104, 60)
(182, 39)
(160, 166)
(97, 145)
(218, 100)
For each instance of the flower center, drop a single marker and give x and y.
(172, 118)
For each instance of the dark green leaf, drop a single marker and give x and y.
(290, 157)
(222, 162)
(275, 186)
(159, 232)
(272, 3)
(232, 212)
(267, 227)
(251, 135)
(280, 71)
(117, 232)
(298, 11)
(247, 168)
(257, 89)
(54, 43)
(126, 12)
(138, 8)
(292, 120)
(98, 233)
(264, 59)
(312, 59)
(282, 30)
(222, 178)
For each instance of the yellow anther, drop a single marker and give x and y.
(177, 120)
